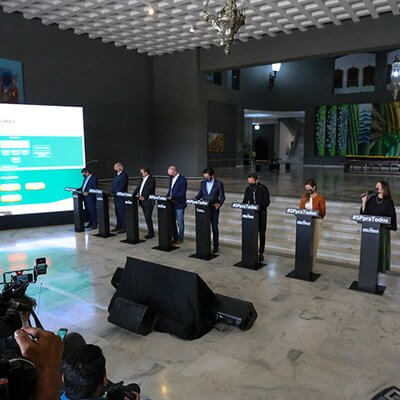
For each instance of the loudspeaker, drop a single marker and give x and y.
(132, 316)
(116, 278)
(234, 311)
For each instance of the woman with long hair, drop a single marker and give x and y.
(380, 203)
(312, 200)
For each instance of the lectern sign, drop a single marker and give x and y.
(197, 202)
(371, 218)
(157, 198)
(242, 206)
(75, 192)
(128, 197)
(97, 192)
(301, 211)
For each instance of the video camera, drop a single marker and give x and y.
(17, 375)
(15, 285)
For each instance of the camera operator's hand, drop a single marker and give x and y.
(44, 349)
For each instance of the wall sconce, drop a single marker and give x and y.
(256, 127)
(394, 84)
(272, 75)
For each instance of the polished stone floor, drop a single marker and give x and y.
(311, 340)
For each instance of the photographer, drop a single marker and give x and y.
(84, 376)
(44, 349)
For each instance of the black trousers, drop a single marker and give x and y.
(262, 228)
(214, 218)
(147, 208)
(119, 204)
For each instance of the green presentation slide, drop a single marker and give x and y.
(37, 165)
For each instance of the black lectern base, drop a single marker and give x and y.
(379, 290)
(104, 237)
(255, 267)
(163, 249)
(206, 258)
(132, 241)
(313, 277)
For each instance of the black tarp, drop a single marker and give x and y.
(181, 300)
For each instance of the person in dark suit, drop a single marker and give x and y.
(119, 184)
(89, 199)
(257, 193)
(212, 190)
(145, 188)
(177, 188)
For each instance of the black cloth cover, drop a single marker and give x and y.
(181, 300)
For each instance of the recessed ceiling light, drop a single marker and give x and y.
(151, 11)
(191, 29)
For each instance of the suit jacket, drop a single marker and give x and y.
(217, 194)
(91, 184)
(120, 183)
(178, 192)
(148, 189)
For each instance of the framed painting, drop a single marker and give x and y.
(11, 82)
(215, 142)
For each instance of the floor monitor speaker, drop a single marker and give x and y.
(132, 316)
(234, 311)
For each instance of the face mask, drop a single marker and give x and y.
(310, 191)
(252, 185)
(209, 179)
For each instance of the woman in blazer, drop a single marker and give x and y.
(380, 203)
(312, 200)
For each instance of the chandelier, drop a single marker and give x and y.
(394, 84)
(227, 22)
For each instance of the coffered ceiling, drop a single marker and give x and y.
(177, 24)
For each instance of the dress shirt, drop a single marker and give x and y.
(86, 182)
(142, 185)
(174, 180)
(209, 185)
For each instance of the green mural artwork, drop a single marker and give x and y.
(358, 130)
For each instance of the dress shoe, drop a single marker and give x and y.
(215, 250)
(122, 231)
(93, 227)
(261, 257)
(149, 236)
(116, 229)
(87, 226)
(177, 241)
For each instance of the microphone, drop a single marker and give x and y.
(368, 194)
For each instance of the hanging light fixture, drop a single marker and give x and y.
(227, 22)
(394, 84)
